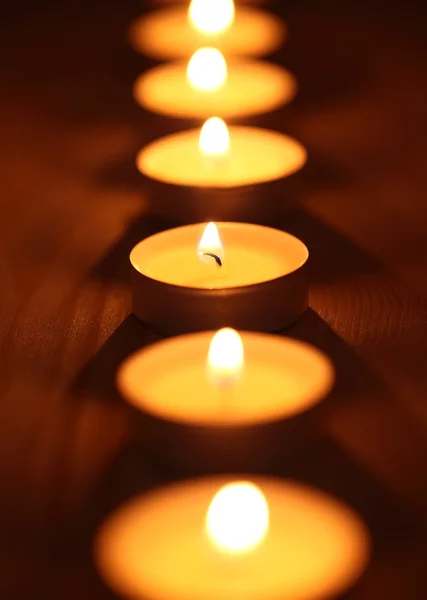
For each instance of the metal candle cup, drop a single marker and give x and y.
(258, 179)
(258, 412)
(263, 284)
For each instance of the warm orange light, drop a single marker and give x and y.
(210, 249)
(211, 16)
(238, 518)
(207, 69)
(226, 358)
(214, 137)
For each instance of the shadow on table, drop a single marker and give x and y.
(97, 378)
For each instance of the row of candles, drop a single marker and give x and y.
(211, 393)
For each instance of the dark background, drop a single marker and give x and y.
(68, 217)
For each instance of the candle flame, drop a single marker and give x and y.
(207, 69)
(211, 17)
(238, 517)
(214, 137)
(210, 249)
(226, 358)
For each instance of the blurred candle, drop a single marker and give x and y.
(226, 378)
(226, 399)
(253, 155)
(224, 173)
(208, 85)
(177, 31)
(219, 539)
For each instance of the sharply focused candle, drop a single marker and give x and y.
(222, 538)
(177, 31)
(255, 278)
(216, 172)
(208, 85)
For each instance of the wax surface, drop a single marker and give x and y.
(282, 377)
(155, 546)
(252, 87)
(253, 254)
(168, 34)
(255, 156)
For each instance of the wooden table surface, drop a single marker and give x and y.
(68, 453)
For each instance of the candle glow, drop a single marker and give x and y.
(238, 517)
(214, 137)
(211, 17)
(158, 545)
(207, 70)
(225, 357)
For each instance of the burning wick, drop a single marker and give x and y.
(210, 248)
(215, 257)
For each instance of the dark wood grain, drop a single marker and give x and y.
(68, 216)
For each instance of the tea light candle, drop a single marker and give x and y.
(177, 31)
(216, 173)
(261, 284)
(244, 88)
(217, 538)
(218, 380)
(226, 400)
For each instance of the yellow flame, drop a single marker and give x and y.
(226, 358)
(211, 17)
(238, 517)
(210, 243)
(214, 137)
(207, 69)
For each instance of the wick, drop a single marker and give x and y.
(217, 258)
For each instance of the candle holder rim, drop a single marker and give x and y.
(184, 289)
